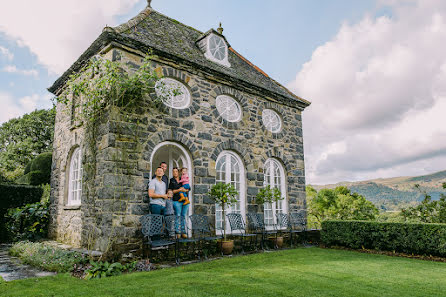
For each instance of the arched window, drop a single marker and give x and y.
(75, 178)
(274, 177)
(230, 170)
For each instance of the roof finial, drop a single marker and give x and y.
(149, 3)
(220, 29)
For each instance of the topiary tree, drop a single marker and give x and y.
(268, 195)
(224, 195)
(39, 170)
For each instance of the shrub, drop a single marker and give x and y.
(46, 257)
(29, 222)
(38, 171)
(411, 238)
(105, 269)
(15, 196)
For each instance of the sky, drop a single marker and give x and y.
(374, 70)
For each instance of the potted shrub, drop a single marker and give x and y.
(268, 194)
(224, 195)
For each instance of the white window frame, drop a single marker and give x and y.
(227, 179)
(162, 89)
(75, 178)
(275, 179)
(267, 114)
(224, 111)
(209, 56)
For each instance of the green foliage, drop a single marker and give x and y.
(106, 83)
(46, 257)
(18, 195)
(268, 195)
(224, 195)
(39, 171)
(411, 238)
(427, 211)
(22, 139)
(338, 203)
(29, 222)
(105, 269)
(15, 196)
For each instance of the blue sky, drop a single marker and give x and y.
(373, 69)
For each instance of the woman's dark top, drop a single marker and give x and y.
(174, 185)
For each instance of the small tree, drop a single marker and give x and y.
(224, 195)
(268, 195)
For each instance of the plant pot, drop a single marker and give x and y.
(277, 241)
(226, 246)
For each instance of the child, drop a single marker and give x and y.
(169, 204)
(185, 184)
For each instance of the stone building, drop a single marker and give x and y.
(231, 122)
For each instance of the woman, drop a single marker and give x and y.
(180, 209)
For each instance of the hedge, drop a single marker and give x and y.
(14, 196)
(410, 238)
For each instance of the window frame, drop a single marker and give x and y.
(183, 88)
(274, 164)
(240, 115)
(278, 117)
(76, 159)
(227, 179)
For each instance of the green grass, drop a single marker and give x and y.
(300, 272)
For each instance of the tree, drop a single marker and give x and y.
(224, 195)
(338, 203)
(427, 211)
(23, 138)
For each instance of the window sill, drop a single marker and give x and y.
(71, 207)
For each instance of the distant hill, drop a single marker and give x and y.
(397, 192)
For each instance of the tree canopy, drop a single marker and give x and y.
(428, 211)
(23, 138)
(338, 203)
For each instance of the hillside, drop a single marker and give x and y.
(397, 192)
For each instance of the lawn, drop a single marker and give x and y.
(299, 272)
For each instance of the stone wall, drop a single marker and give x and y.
(126, 141)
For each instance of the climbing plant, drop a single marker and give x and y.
(103, 89)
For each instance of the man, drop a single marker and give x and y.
(165, 179)
(157, 193)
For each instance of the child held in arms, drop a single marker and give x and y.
(184, 181)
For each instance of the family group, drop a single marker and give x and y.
(171, 197)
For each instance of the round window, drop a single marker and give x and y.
(173, 93)
(271, 120)
(228, 108)
(217, 46)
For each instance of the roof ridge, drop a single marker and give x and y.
(134, 21)
(142, 16)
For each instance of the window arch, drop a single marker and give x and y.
(274, 177)
(230, 170)
(75, 178)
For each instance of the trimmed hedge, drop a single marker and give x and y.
(38, 171)
(410, 238)
(15, 196)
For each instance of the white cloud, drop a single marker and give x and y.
(379, 96)
(57, 32)
(27, 72)
(6, 53)
(13, 107)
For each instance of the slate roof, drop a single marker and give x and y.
(152, 30)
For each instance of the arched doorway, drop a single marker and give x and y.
(175, 155)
